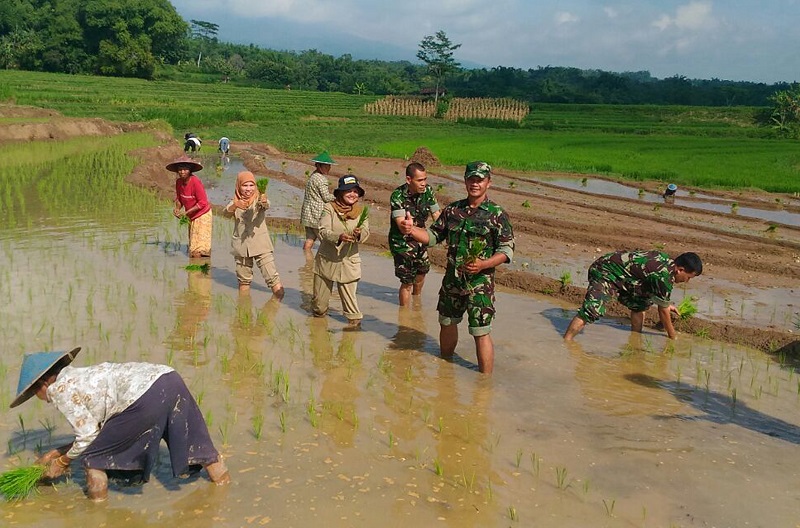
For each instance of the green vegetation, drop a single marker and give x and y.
(687, 307)
(261, 184)
(703, 147)
(18, 483)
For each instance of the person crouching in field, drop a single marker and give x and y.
(638, 279)
(250, 242)
(413, 200)
(190, 195)
(120, 412)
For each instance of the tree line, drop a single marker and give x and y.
(149, 39)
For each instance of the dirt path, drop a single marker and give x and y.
(556, 229)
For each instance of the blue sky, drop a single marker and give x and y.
(742, 40)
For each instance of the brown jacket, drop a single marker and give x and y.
(250, 234)
(338, 262)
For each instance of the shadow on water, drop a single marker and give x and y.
(720, 409)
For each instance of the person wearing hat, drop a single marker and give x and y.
(317, 194)
(190, 195)
(638, 279)
(337, 258)
(251, 243)
(415, 200)
(479, 238)
(119, 412)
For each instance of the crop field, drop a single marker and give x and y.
(706, 147)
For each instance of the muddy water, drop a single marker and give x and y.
(607, 188)
(371, 428)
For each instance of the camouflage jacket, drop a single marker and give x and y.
(421, 206)
(646, 274)
(472, 232)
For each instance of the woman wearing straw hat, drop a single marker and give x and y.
(190, 195)
(119, 413)
(317, 194)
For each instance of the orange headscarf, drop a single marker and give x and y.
(242, 177)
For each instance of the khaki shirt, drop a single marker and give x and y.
(340, 263)
(250, 233)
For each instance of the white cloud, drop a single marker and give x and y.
(564, 17)
(610, 12)
(695, 16)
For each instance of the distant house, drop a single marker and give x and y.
(431, 92)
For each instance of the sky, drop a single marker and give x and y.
(739, 40)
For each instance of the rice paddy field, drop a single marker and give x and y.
(321, 425)
(707, 147)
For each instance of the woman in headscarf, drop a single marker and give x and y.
(190, 195)
(251, 243)
(342, 226)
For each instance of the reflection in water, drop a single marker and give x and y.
(340, 374)
(604, 380)
(191, 307)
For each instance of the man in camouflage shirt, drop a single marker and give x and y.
(479, 238)
(638, 279)
(413, 200)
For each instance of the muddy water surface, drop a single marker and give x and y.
(369, 428)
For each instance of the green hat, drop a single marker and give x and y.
(324, 157)
(36, 365)
(480, 169)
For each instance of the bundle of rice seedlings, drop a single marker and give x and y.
(18, 483)
(475, 250)
(184, 220)
(205, 268)
(262, 183)
(687, 308)
(363, 216)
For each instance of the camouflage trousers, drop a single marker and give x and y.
(408, 265)
(478, 304)
(601, 291)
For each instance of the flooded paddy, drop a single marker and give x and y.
(368, 428)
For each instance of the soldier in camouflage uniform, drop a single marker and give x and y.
(413, 200)
(638, 279)
(479, 238)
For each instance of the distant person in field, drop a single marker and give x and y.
(638, 279)
(413, 200)
(191, 143)
(224, 145)
(190, 195)
(317, 194)
(479, 238)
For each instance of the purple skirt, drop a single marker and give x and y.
(130, 440)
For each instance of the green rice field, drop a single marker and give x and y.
(704, 147)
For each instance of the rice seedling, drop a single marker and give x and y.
(535, 464)
(437, 467)
(565, 279)
(183, 220)
(262, 183)
(441, 424)
(734, 208)
(561, 478)
(282, 420)
(258, 425)
(526, 204)
(518, 459)
(512, 514)
(687, 307)
(609, 506)
(18, 483)
(584, 182)
(363, 216)
(392, 441)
